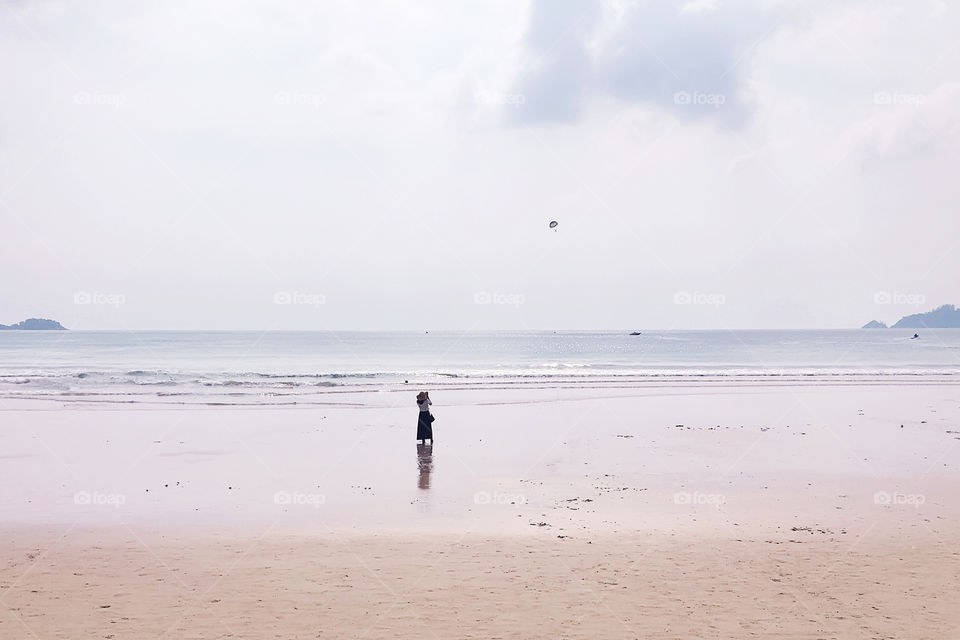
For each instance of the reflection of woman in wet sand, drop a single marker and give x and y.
(424, 464)
(425, 422)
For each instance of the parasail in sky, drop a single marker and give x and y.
(553, 224)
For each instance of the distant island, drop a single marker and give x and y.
(943, 317)
(34, 324)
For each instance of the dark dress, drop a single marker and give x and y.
(425, 426)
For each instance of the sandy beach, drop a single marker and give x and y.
(666, 511)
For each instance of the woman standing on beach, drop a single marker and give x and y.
(425, 422)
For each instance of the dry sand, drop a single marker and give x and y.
(798, 585)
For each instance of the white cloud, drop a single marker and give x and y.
(699, 6)
(905, 125)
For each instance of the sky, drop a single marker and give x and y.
(395, 165)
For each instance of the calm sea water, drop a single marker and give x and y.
(251, 365)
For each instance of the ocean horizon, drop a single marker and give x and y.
(292, 366)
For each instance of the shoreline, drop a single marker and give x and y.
(308, 396)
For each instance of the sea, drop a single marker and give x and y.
(288, 367)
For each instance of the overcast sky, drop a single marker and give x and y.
(380, 165)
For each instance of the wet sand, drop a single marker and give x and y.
(724, 511)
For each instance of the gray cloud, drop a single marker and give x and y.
(559, 67)
(690, 59)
